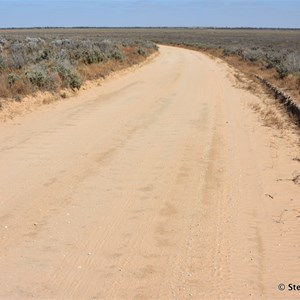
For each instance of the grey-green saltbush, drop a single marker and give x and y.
(68, 75)
(37, 77)
(141, 51)
(49, 64)
(12, 78)
(117, 55)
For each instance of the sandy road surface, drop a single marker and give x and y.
(161, 184)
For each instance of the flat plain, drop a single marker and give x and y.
(168, 181)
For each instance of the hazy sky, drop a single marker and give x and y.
(231, 13)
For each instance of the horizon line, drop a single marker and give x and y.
(149, 27)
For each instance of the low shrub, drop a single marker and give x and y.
(141, 51)
(68, 75)
(37, 77)
(16, 61)
(282, 71)
(292, 62)
(253, 54)
(117, 55)
(94, 56)
(12, 78)
(274, 59)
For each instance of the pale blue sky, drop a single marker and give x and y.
(119, 13)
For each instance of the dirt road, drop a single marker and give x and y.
(160, 184)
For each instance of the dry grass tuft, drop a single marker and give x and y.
(272, 119)
(269, 115)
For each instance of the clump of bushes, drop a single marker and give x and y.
(283, 62)
(292, 62)
(38, 77)
(117, 55)
(141, 51)
(33, 63)
(68, 75)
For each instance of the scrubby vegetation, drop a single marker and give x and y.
(284, 62)
(30, 64)
(55, 58)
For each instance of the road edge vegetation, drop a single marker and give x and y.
(60, 67)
